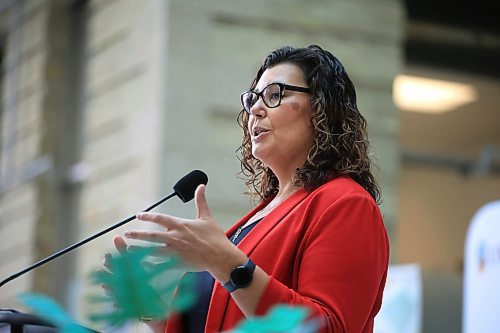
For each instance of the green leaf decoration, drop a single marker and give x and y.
(50, 311)
(137, 289)
(310, 326)
(280, 319)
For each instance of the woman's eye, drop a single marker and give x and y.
(275, 96)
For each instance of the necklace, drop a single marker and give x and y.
(260, 214)
(264, 211)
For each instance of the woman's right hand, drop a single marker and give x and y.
(157, 326)
(121, 246)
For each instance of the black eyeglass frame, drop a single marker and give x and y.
(282, 86)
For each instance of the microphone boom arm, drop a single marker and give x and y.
(80, 243)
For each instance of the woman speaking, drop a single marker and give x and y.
(316, 238)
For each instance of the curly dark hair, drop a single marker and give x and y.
(340, 137)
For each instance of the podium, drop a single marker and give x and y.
(12, 321)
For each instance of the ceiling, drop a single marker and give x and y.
(456, 34)
(457, 41)
(476, 15)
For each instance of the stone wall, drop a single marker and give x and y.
(159, 95)
(23, 26)
(123, 114)
(215, 49)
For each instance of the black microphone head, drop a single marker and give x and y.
(186, 186)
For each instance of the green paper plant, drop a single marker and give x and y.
(280, 319)
(139, 290)
(51, 312)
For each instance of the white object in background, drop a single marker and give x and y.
(401, 310)
(481, 306)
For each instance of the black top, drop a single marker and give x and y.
(193, 320)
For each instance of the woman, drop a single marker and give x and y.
(317, 238)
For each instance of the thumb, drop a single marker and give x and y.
(201, 202)
(120, 244)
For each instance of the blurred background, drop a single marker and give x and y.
(106, 103)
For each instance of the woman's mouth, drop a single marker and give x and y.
(258, 131)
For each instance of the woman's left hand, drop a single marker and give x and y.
(201, 242)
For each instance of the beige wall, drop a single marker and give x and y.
(215, 49)
(124, 111)
(436, 208)
(23, 93)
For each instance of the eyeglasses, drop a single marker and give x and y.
(271, 95)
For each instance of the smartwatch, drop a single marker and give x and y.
(241, 276)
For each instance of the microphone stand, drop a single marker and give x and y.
(80, 243)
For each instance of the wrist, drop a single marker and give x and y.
(241, 276)
(222, 273)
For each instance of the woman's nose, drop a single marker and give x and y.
(258, 109)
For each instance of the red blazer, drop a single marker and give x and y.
(327, 250)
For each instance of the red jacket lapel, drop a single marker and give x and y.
(220, 297)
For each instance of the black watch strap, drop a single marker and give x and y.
(241, 276)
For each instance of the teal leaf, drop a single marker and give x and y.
(138, 288)
(280, 319)
(50, 311)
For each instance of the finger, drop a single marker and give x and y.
(107, 290)
(135, 248)
(120, 244)
(151, 264)
(149, 236)
(107, 260)
(103, 274)
(201, 202)
(148, 265)
(163, 220)
(156, 251)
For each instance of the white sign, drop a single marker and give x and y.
(481, 307)
(401, 310)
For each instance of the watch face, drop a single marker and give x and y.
(241, 276)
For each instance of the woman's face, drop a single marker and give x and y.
(282, 136)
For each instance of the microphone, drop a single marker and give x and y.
(184, 189)
(186, 186)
